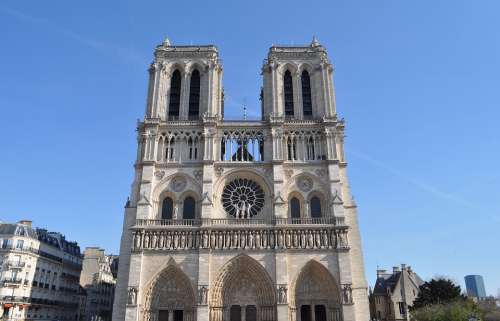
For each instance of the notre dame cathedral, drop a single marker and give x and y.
(239, 220)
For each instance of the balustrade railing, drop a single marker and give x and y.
(338, 221)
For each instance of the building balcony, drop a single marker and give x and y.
(16, 264)
(16, 299)
(11, 281)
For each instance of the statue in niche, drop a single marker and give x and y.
(153, 245)
(282, 294)
(347, 294)
(169, 241)
(250, 240)
(203, 294)
(132, 296)
(183, 240)
(205, 240)
(137, 240)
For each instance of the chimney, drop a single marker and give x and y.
(25, 222)
(395, 269)
(403, 267)
(380, 272)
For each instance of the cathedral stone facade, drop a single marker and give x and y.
(240, 220)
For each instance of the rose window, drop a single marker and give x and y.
(242, 198)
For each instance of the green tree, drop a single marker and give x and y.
(460, 310)
(438, 291)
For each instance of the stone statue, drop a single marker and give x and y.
(347, 294)
(282, 295)
(203, 295)
(132, 296)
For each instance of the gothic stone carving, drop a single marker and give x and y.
(218, 171)
(282, 293)
(178, 184)
(159, 174)
(241, 238)
(198, 175)
(132, 296)
(305, 184)
(347, 294)
(202, 294)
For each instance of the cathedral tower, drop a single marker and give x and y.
(240, 220)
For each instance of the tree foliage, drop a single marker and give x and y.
(438, 291)
(460, 310)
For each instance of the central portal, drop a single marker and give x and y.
(244, 291)
(248, 313)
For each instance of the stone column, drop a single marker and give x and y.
(297, 96)
(324, 88)
(184, 107)
(331, 92)
(276, 85)
(149, 101)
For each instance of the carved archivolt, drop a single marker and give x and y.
(315, 284)
(243, 281)
(171, 289)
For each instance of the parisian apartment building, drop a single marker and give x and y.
(98, 280)
(394, 293)
(39, 274)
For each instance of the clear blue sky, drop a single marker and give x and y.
(417, 82)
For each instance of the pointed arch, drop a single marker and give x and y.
(315, 207)
(295, 208)
(189, 208)
(306, 94)
(175, 95)
(243, 273)
(170, 290)
(288, 93)
(167, 208)
(315, 290)
(194, 95)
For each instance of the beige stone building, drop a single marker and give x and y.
(241, 220)
(39, 273)
(98, 279)
(394, 293)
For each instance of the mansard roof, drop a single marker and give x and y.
(17, 229)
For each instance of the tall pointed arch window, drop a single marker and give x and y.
(315, 207)
(188, 211)
(294, 208)
(306, 94)
(167, 209)
(175, 96)
(288, 91)
(194, 95)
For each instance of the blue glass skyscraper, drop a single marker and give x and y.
(475, 286)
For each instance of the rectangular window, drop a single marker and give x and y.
(20, 244)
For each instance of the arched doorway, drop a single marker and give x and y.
(170, 297)
(243, 291)
(315, 295)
